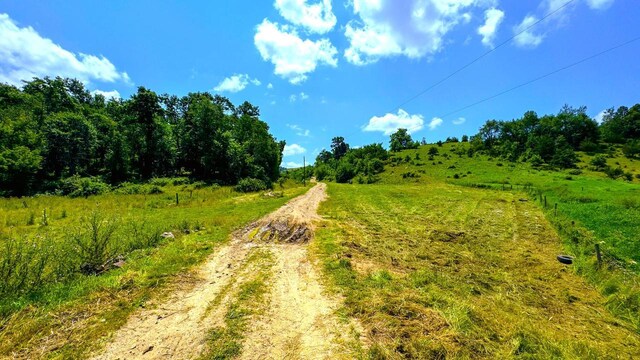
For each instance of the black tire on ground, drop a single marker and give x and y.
(565, 259)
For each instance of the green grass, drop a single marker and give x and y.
(64, 316)
(248, 300)
(607, 209)
(433, 270)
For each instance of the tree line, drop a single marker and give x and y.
(554, 139)
(52, 130)
(550, 140)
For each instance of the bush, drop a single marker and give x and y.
(322, 172)
(250, 185)
(94, 242)
(22, 264)
(170, 181)
(599, 162)
(77, 186)
(128, 188)
(344, 172)
(613, 173)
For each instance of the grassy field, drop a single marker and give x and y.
(434, 270)
(48, 308)
(608, 210)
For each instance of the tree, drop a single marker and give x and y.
(71, 142)
(401, 140)
(324, 156)
(339, 147)
(564, 156)
(148, 132)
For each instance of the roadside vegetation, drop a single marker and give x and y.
(72, 269)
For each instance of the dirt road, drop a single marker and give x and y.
(299, 321)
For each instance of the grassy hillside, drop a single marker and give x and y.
(434, 270)
(608, 210)
(47, 302)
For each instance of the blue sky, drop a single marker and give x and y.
(322, 68)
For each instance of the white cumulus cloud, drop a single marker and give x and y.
(389, 123)
(295, 97)
(600, 4)
(235, 83)
(528, 38)
(315, 17)
(113, 94)
(25, 54)
(292, 57)
(561, 11)
(411, 28)
(299, 131)
(493, 18)
(600, 116)
(434, 123)
(292, 165)
(459, 121)
(293, 149)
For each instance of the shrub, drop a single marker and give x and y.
(170, 181)
(93, 242)
(599, 162)
(22, 265)
(250, 185)
(345, 172)
(613, 173)
(322, 172)
(77, 186)
(433, 151)
(127, 188)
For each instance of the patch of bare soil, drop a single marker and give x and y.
(300, 320)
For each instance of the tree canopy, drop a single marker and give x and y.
(53, 129)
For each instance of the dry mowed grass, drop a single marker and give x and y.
(440, 271)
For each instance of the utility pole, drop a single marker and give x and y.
(304, 172)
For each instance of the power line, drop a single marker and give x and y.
(542, 77)
(478, 58)
(482, 56)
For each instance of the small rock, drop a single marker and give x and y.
(168, 235)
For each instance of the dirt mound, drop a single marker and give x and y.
(283, 231)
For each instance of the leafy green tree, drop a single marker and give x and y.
(71, 142)
(564, 156)
(401, 140)
(339, 147)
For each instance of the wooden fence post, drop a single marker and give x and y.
(177, 200)
(598, 255)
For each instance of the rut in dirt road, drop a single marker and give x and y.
(299, 321)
